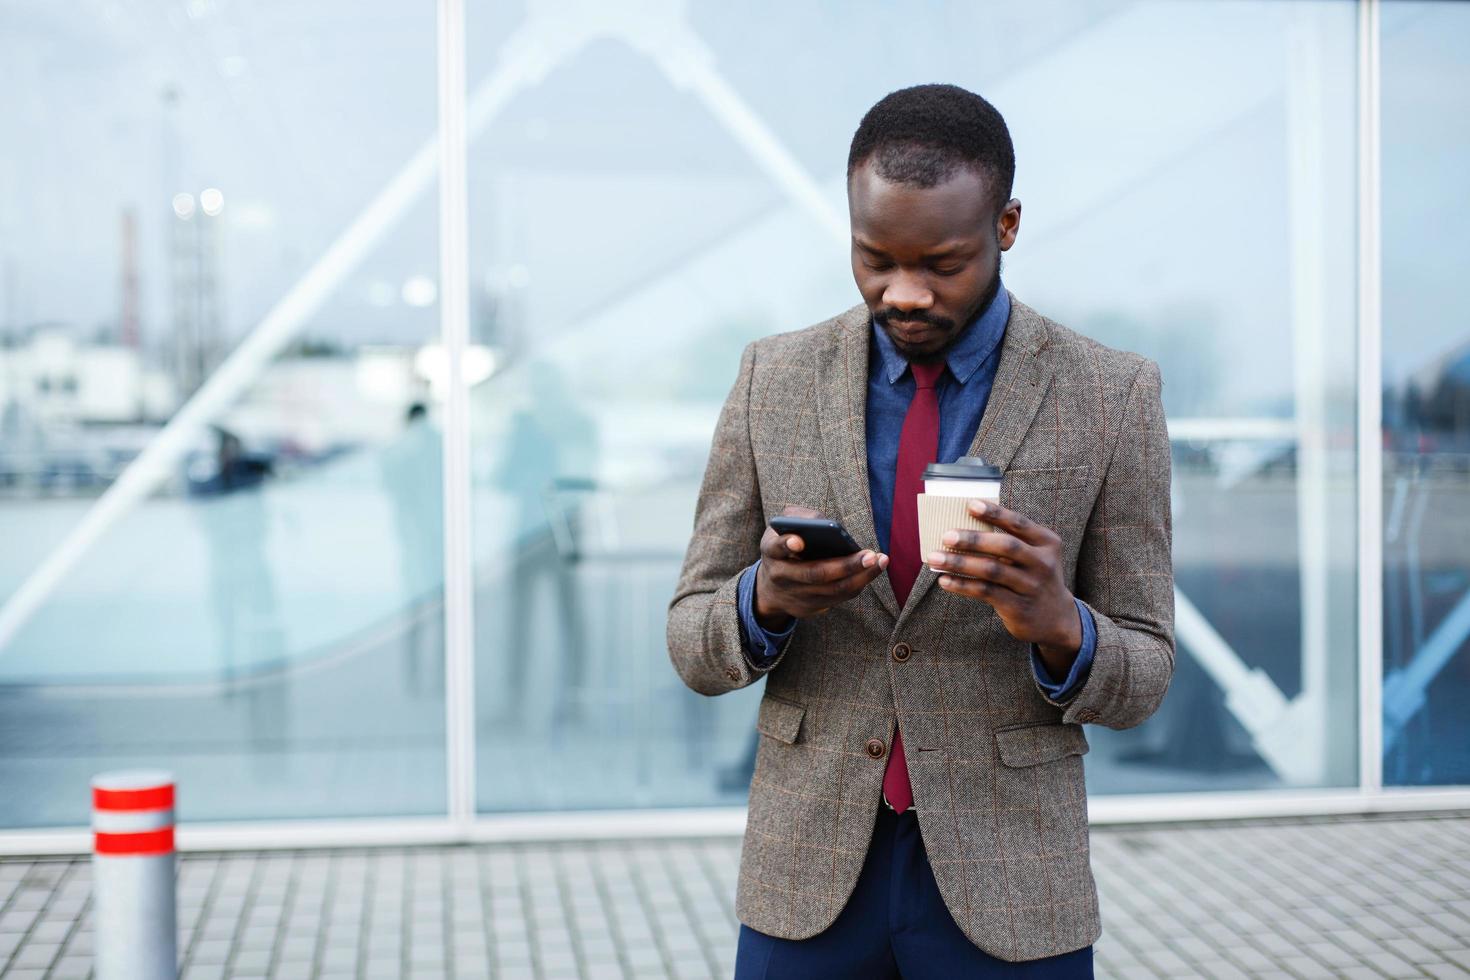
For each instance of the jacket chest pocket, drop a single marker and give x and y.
(1056, 496)
(1051, 479)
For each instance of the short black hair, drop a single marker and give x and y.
(921, 135)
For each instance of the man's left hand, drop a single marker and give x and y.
(1017, 569)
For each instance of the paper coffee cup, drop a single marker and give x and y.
(948, 489)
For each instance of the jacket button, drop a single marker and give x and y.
(732, 672)
(902, 652)
(875, 748)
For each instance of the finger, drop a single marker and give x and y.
(997, 595)
(1018, 524)
(826, 571)
(994, 543)
(830, 594)
(856, 582)
(984, 568)
(780, 547)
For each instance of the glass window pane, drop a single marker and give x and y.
(670, 185)
(220, 527)
(1426, 394)
(1197, 204)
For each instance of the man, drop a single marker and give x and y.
(918, 806)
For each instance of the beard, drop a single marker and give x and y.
(950, 329)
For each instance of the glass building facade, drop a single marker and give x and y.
(353, 401)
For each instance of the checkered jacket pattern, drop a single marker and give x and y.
(996, 765)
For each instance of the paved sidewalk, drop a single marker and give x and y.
(1332, 897)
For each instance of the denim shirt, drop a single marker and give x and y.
(964, 391)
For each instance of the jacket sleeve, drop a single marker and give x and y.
(705, 642)
(1125, 571)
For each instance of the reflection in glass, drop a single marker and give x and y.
(1426, 394)
(217, 538)
(550, 454)
(236, 524)
(1194, 201)
(409, 467)
(668, 191)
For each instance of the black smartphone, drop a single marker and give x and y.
(823, 537)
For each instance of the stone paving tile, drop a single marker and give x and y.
(1330, 897)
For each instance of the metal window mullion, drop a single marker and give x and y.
(454, 322)
(1370, 403)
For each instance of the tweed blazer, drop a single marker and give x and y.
(996, 765)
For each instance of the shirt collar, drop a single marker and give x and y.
(976, 344)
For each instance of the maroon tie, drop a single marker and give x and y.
(918, 446)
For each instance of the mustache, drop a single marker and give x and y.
(890, 316)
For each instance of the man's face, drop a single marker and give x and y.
(927, 259)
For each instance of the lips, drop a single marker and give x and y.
(914, 332)
(911, 332)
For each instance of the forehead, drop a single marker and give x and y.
(900, 217)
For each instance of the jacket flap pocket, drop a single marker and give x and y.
(779, 719)
(1031, 745)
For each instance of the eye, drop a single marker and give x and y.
(877, 265)
(948, 270)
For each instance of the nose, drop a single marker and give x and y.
(907, 293)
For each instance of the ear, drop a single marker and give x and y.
(1008, 225)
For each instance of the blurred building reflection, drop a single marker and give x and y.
(1426, 396)
(221, 431)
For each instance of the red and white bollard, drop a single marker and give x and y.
(133, 876)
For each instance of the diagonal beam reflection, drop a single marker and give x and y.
(524, 65)
(547, 40)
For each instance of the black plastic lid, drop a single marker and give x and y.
(964, 468)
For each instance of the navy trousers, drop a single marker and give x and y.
(895, 925)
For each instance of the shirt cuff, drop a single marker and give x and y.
(1077, 676)
(762, 646)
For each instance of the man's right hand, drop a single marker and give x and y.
(788, 588)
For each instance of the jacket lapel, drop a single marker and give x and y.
(1021, 382)
(842, 405)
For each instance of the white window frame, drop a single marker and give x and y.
(462, 823)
